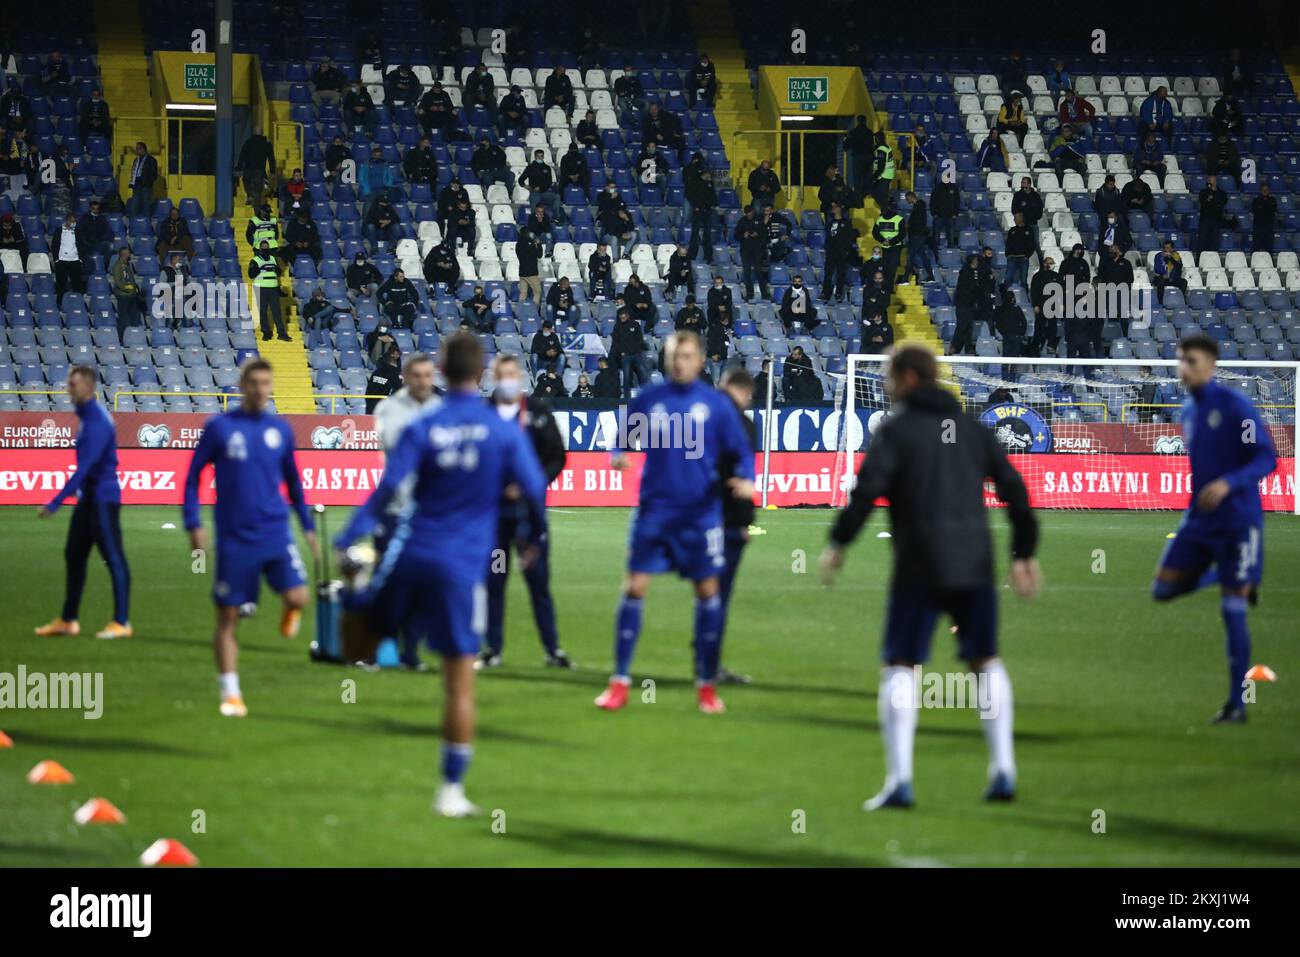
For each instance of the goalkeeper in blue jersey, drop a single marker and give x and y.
(685, 428)
(251, 451)
(431, 581)
(1221, 536)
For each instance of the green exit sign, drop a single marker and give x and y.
(808, 91)
(201, 80)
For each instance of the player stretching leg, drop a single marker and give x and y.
(96, 518)
(1231, 451)
(737, 513)
(930, 460)
(685, 429)
(430, 582)
(251, 450)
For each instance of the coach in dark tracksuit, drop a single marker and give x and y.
(535, 418)
(737, 514)
(96, 519)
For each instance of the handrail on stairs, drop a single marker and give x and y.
(784, 158)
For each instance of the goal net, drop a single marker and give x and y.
(1084, 433)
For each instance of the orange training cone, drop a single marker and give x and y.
(165, 852)
(99, 811)
(1261, 673)
(6, 741)
(50, 772)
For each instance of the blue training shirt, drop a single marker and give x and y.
(685, 431)
(252, 453)
(1226, 438)
(96, 474)
(463, 455)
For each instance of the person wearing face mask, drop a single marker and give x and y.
(537, 422)
(1047, 331)
(719, 295)
(797, 307)
(966, 300)
(704, 82)
(363, 278)
(617, 229)
(1114, 232)
(600, 281)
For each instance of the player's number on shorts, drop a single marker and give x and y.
(1249, 555)
(713, 541)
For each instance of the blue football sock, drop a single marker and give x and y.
(1238, 646)
(708, 637)
(455, 761)
(627, 629)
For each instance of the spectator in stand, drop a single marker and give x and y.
(1137, 196)
(1011, 118)
(327, 82)
(68, 273)
(799, 381)
(319, 313)
(441, 266)
(588, 132)
(95, 238)
(751, 238)
(1047, 332)
(1157, 115)
(378, 341)
(420, 165)
(512, 114)
(1058, 79)
(1222, 159)
(1010, 321)
(1114, 233)
(877, 333)
(15, 108)
(629, 94)
(435, 110)
(663, 128)
(636, 297)
(690, 318)
(992, 154)
(478, 310)
(490, 165)
(539, 223)
(1113, 269)
(1076, 112)
(399, 299)
(294, 195)
(14, 239)
(600, 273)
(652, 168)
(358, 109)
(385, 379)
(1150, 158)
(606, 385)
(374, 178)
(1069, 153)
(678, 273)
(256, 164)
(1167, 270)
(95, 119)
(627, 351)
(448, 199)
(1029, 203)
(362, 278)
(702, 198)
(841, 242)
(302, 238)
(860, 145)
(402, 87)
(1236, 77)
(703, 82)
(1264, 212)
(776, 229)
(56, 80)
(546, 351)
(550, 386)
(617, 229)
(1226, 117)
(919, 241)
(538, 179)
(719, 296)
(558, 90)
(1020, 246)
(717, 343)
(583, 389)
(1107, 199)
(945, 204)
(924, 149)
(479, 89)
(381, 226)
(126, 291)
(798, 314)
(562, 303)
(174, 237)
(528, 251)
(833, 191)
(764, 186)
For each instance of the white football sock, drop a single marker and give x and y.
(230, 684)
(997, 712)
(896, 707)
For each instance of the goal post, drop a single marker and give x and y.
(1084, 433)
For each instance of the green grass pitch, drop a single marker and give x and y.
(1112, 692)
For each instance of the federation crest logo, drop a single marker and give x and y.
(1018, 428)
(327, 437)
(153, 436)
